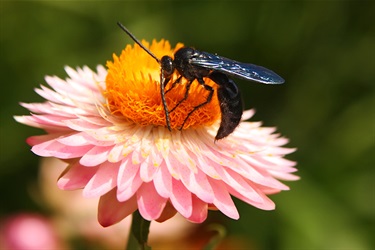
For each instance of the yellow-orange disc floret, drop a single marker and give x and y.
(133, 90)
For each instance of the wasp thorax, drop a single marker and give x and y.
(182, 62)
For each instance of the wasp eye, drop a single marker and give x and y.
(166, 64)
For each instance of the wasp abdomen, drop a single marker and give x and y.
(230, 104)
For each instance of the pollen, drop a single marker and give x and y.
(133, 90)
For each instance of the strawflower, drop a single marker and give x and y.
(109, 126)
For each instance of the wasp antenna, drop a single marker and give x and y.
(137, 41)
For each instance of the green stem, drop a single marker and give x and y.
(140, 229)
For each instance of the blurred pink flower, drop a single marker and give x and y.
(108, 125)
(26, 231)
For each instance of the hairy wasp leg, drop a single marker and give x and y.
(173, 84)
(163, 82)
(208, 99)
(185, 96)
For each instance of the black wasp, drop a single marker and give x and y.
(193, 65)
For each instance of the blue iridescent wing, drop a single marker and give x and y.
(240, 70)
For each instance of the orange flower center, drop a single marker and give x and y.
(133, 90)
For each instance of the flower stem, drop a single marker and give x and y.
(140, 229)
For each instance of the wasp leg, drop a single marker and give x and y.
(208, 99)
(185, 96)
(163, 82)
(173, 84)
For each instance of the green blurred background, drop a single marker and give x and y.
(324, 49)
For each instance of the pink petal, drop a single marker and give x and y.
(103, 180)
(77, 176)
(199, 213)
(280, 162)
(181, 198)
(247, 114)
(136, 157)
(38, 139)
(95, 156)
(31, 121)
(163, 181)
(197, 183)
(51, 95)
(265, 204)
(162, 139)
(204, 162)
(267, 190)
(115, 155)
(58, 150)
(150, 203)
(25, 119)
(96, 120)
(80, 125)
(172, 163)
(155, 157)
(111, 211)
(284, 176)
(40, 108)
(51, 120)
(68, 111)
(235, 181)
(223, 201)
(128, 180)
(147, 171)
(273, 163)
(168, 212)
(260, 176)
(97, 139)
(180, 149)
(76, 139)
(272, 151)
